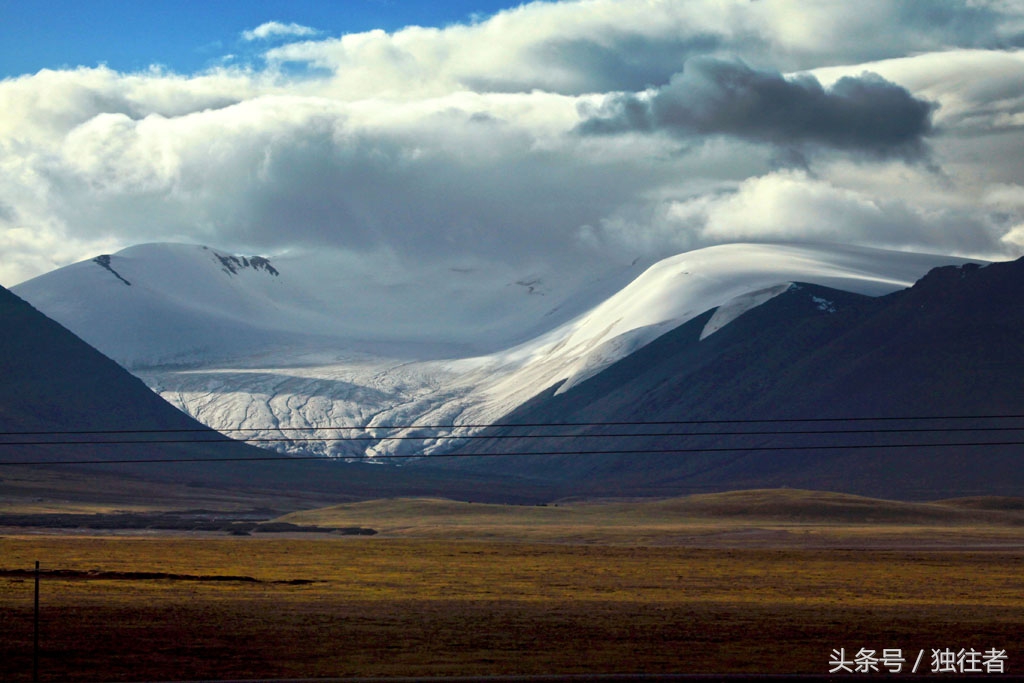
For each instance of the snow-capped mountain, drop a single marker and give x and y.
(53, 384)
(167, 304)
(913, 395)
(317, 340)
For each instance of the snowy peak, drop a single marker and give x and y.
(732, 278)
(948, 346)
(162, 260)
(182, 303)
(230, 264)
(163, 303)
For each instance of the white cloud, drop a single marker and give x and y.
(462, 142)
(792, 206)
(1015, 239)
(275, 29)
(628, 45)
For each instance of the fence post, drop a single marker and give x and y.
(35, 640)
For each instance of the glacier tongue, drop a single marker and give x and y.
(314, 353)
(302, 405)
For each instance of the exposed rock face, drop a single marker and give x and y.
(104, 262)
(232, 264)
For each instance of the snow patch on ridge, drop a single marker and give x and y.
(739, 305)
(608, 352)
(824, 304)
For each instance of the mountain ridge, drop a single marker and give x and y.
(950, 346)
(298, 350)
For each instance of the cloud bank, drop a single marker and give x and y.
(576, 135)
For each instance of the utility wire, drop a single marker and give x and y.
(726, 449)
(627, 423)
(342, 439)
(645, 451)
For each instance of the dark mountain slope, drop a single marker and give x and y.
(952, 345)
(52, 381)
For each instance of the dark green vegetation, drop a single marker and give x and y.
(951, 345)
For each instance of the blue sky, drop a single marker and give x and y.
(185, 37)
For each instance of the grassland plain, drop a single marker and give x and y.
(775, 517)
(447, 589)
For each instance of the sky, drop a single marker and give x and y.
(187, 37)
(579, 135)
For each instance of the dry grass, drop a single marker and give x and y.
(773, 518)
(750, 581)
(40, 490)
(401, 606)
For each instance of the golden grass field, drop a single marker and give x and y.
(747, 582)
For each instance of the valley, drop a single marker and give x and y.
(699, 475)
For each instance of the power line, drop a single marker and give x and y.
(344, 439)
(645, 451)
(631, 435)
(503, 425)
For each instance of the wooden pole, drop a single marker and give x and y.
(35, 643)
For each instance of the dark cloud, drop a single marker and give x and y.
(712, 97)
(369, 190)
(269, 177)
